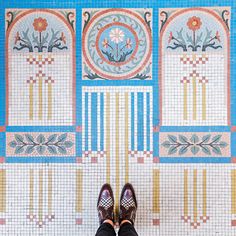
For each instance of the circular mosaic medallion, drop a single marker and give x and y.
(117, 44)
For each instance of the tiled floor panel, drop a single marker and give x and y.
(118, 91)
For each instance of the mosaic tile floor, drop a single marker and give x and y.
(118, 91)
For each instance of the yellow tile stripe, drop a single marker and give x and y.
(108, 137)
(117, 155)
(49, 191)
(185, 101)
(79, 190)
(185, 192)
(49, 101)
(203, 101)
(194, 99)
(156, 191)
(2, 190)
(204, 193)
(126, 138)
(31, 101)
(31, 193)
(40, 195)
(40, 114)
(195, 195)
(233, 191)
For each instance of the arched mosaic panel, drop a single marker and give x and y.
(194, 71)
(40, 67)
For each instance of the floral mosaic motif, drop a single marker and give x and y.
(40, 38)
(197, 39)
(208, 144)
(54, 144)
(224, 14)
(117, 44)
(40, 78)
(225, 17)
(70, 16)
(113, 49)
(11, 15)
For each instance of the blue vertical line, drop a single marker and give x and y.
(155, 68)
(132, 121)
(102, 121)
(155, 88)
(78, 72)
(3, 144)
(94, 122)
(148, 121)
(2, 70)
(140, 111)
(86, 122)
(79, 142)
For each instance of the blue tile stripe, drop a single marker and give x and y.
(148, 121)
(132, 121)
(86, 122)
(176, 160)
(94, 121)
(102, 121)
(40, 159)
(140, 128)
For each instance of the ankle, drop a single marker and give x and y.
(125, 221)
(109, 222)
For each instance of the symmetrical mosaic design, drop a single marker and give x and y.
(194, 144)
(40, 144)
(117, 44)
(197, 43)
(88, 102)
(40, 48)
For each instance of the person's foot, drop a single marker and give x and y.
(105, 205)
(128, 204)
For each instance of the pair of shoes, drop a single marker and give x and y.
(128, 204)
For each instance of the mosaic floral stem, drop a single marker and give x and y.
(2, 190)
(40, 201)
(203, 101)
(79, 191)
(156, 191)
(40, 112)
(185, 194)
(31, 194)
(204, 194)
(185, 101)
(233, 192)
(195, 196)
(49, 192)
(49, 101)
(194, 99)
(31, 101)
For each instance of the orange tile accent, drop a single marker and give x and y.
(2, 128)
(233, 128)
(156, 221)
(233, 222)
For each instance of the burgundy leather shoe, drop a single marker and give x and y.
(105, 205)
(128, 204)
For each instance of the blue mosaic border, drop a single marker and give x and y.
(155, 5)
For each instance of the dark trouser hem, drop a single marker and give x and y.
(106, 229)
(127, 230)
